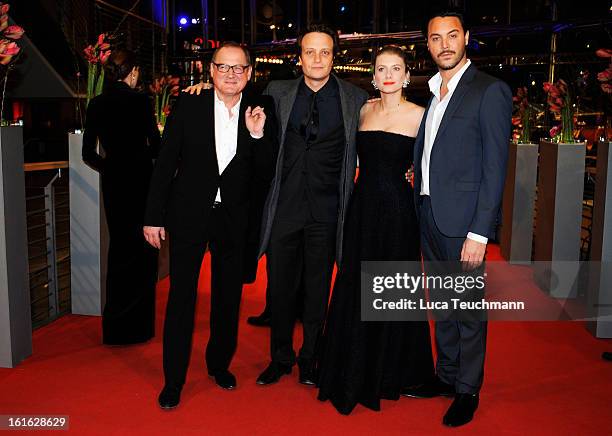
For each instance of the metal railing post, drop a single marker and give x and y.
(50, 230)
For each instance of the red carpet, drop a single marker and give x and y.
(541, 378)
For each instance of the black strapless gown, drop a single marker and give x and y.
(363, 362)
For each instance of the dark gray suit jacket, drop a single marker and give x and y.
(467, 167)
(351, 100)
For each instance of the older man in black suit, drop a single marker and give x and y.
(216, 148)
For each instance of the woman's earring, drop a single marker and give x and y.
(406, 83)
(374, 84)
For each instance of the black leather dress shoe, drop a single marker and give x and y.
(224, 379)
(434, 388)
(607, 355)
(169, 397)
(262, 320)
(461, 411)
(308, 374)
(273, 373)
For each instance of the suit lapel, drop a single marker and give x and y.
(243, 132)
(462, 87)
(348, 104)
(420, 139)
(285, 105)
(208, 102)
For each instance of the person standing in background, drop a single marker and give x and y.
(122, 120)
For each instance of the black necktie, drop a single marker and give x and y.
(310, 125)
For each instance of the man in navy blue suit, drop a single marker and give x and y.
(460, 165)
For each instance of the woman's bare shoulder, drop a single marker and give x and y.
(413, 109)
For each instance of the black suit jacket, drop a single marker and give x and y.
(351, 99)
(186, 175)
(467, 167)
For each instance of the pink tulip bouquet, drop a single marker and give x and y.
(605, 77)
(96, 56)
(164, 88)
(560, 104)
(9, 48)
(521, 119)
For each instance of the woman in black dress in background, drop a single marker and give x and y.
(364, 362)
(122, 120)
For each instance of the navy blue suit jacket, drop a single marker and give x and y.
(467, 167)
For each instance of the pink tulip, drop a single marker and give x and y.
(104, 56)
(546, 86)
(4, 9)
(90, 54)
(555, 131)
(100, 39)
(604, 76)
(604, 53)
(3, 22)
(8, 48)
(14, 32)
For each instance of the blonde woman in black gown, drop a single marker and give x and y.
(364, 362)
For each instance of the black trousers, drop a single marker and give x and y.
(299, 253)
(460, 345)
(226, 290)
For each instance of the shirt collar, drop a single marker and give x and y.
(329, 89)
(221, 104)
(436, 81)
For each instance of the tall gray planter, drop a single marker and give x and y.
(15, 313)
(518, 203)
(600, 272)
(88, 234)
(559, 218)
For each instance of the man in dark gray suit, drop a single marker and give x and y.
(303, 218)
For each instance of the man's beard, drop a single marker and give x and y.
(454, 64)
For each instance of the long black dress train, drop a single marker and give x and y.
(363, 362)
(122, 119)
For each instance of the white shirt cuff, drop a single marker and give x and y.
(256, 137)
(477, 238)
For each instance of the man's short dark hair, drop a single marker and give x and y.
(443, 14)
(233, 44)
(317, 28)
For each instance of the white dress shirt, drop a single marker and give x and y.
(226, 134)
(432, 124)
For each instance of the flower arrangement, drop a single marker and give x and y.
(523, 114)
(96, 56)
(605, 77)
(164, 88)
(560, 103)
(9, 48)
